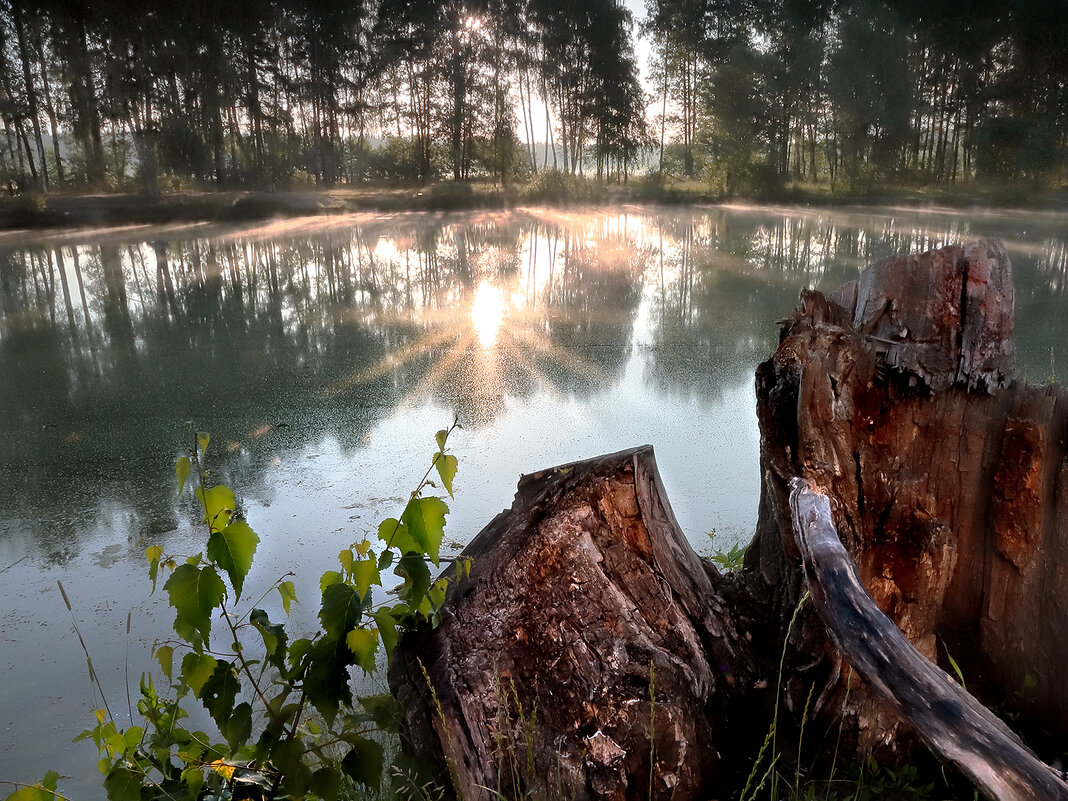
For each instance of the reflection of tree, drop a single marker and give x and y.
(724, 278)
(590, 305)
(107, 348)
(244, 335)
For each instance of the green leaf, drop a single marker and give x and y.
(385, 710)
(329, 578)
(385, 559)
(153, 553)
(446, 465)
(238, 728)
(441, 437)
(414, 569)
(288, 593)
(363, 763)
(387, 630)
(165, 657)
(50, 781)
(298, 650)
(218, 503)
(123, 784)
(341, 611)
(326, 680)
(194, 779)
(364, 574)
(274, 637)
(203, 438)
(197, 669)
(34, 793)
(364, 644)
(436, 593)
(132, 737)
(346, 557)
(425, 519)
(181, 469)
(325, 783)
(194, 593)
(232, 549)
(219, 693)
(395, 535)
(289, 758)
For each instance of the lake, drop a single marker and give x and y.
(323, 353)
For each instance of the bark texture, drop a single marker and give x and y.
(591, 654)
(586, 641)
(950, 721)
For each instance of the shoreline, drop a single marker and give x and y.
(96, 210)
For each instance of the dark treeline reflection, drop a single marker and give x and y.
(279, 336)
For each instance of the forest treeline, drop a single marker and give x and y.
(744, 95)
(852, 93)
(258, 92)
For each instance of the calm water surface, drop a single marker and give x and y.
(323, 353)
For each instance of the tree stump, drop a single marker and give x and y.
(592, 655)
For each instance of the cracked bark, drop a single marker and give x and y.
(949, 490)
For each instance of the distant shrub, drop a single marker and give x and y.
(557, 186)
(450, 194)
(547, 185)
(31, 203)
(300, 179)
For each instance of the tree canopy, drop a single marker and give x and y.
(745, 95)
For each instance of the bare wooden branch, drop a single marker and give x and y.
(952, 722)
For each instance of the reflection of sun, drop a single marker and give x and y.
(501, 337)
(487, 313)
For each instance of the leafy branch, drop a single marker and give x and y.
(301, 733)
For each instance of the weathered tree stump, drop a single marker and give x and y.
(592, 654)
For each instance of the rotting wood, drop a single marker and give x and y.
(949, 486)
(950, 721)
(580, 597)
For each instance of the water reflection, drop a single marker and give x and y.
(110, 340)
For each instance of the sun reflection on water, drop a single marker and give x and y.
(487, 313)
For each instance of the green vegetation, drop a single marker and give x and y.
(287, 724)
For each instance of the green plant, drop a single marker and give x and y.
(287, 723)
(729, 560)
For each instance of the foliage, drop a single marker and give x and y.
(729, 560)
(287, 722)
(557, 186)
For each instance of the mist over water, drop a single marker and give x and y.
(322, 354)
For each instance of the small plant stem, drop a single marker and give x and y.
(85, 650)
(774, 788)
(300, 712)
(444, 726)
(245, 668)
(126, 665)
(652, 726)
(423, 481)
(268, 592)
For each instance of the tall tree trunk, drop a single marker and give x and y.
(50, 110)
(31, 92)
